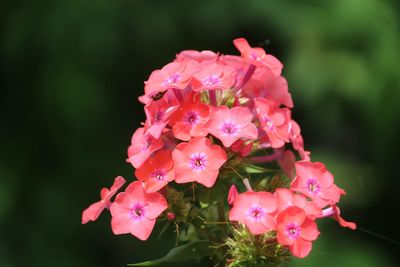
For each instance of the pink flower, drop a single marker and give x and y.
(198, 161)
(199, 56)
(142, 146)
(135, 211)
(190, 120)
(157, 171)
(232, 195)
(274, 121)
(314, 181)
(213, 76)
(229, 125)
(175, 75)
(94, 210)
(254, 209)
(296, 230)
(158, 114)
(257, 56)
(286, 198)
(264, 84)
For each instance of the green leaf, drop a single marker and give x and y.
(193, 250)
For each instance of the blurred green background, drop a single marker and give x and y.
(71, 72)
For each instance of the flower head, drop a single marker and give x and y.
(94, 210)
(198, 161)
(229, 125)
(135, 211)
(254, 209)
(316, 182)
(257, 56)
(142, 146)
(175, 75)
(156, 171)
(274, 121)
(190, 120)
(296, 230)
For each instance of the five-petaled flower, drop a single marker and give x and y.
(135, 211)
(198, 161)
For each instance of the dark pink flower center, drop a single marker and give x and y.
(210, 81)
(158, 175)
(292, 230)
(198, 161)
(256, 213)
(191, 117)
(137, 212)
(313, 185)
(172, 79)
(229, 128)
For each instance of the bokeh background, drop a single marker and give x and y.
(71, 72)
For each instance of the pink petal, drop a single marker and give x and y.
(301, 248)
(309, 230)
(93, 212)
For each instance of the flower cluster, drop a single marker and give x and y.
(210, 120)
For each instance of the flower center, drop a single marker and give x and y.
(158, 175)
(137, 212)
(292, 230)
(210, 81)
(229, 128)
(191, 118)
(198, 161)
(256, 213)
(313, 186)
(172, 79)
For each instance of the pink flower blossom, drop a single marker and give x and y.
(213, 76)
(158, 114)
(175, 75)
(264, 84)
(142, 146)
(135, 211)
(274, 121)
(254, 209)
(296, 231)
(190, 120)
(198, 161)
(156, 171)
(316, 182)
(94, 210)
(286, 198)
(229, 125)
(199, 56)
(257, 56)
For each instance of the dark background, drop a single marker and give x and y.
(71, 72)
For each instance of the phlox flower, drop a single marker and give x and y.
(213, 76)
(156, 171)
(135, 211)
(264, 84)
(229, 125)
(257, 56)
(190, 120)
(94, 210)
(158, 114)
(296, 230)
(316, 182)
(255, 210)
(142, 146)
(286, 198)
(274, 121)
(175, 75)
(198, 161)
